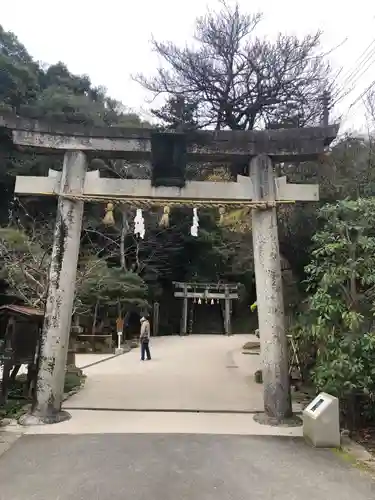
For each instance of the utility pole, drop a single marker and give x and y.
(326, 100)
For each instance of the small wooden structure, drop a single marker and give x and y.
(20, 333)
(222, 293)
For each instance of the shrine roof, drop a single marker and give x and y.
(22, 310)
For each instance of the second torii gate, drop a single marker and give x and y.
(75, 184)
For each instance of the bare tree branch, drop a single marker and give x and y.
(239, 81)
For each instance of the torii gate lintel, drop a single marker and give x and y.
(241, 192)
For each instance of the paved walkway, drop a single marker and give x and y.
(193, 373)
(196, 385)
(176, 467)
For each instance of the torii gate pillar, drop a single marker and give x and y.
(59, 305)
(270, 306)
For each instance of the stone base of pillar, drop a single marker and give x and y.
(291, 421)
(74, 369)
(35, 419)
(119, 350)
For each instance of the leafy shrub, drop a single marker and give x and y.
(337, 329)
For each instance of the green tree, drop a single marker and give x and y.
(124, 291)
(112, 291)
(25, 259)
(339, 319)
(176, 113)
(25, 265)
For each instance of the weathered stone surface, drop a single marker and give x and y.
(135, 144)
(139, 188)
(264, 419)
(62, 276)
(94, 185)
(30, 419)
(277, 400)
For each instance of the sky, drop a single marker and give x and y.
(110, 41)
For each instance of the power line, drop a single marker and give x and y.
(358, 63)
(358, 99)
(363, 94)
(353, 84)
(364, 58)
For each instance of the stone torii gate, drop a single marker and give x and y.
(75, 184)
(225, 292)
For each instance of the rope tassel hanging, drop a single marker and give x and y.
(222, 214)
(108, 219)
(164, 221)
(194, 227)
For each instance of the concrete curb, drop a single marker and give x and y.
(170, 410)
(163, 410)
(66, 396)
(105, 359)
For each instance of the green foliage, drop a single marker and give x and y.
(14, 408)
(52, 92)
(177, 113)
(18, 73)
(124, 290)
(112, 288)
(25, 261)
(342, 271)
(339, 322)
(345, 366)
(73, 380)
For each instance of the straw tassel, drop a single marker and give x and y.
(108, 219)
(222, 213)
(164, 221)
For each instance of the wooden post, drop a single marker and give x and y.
(191, 318)
(120, 331)
(227, 312)
(274, 349)
(155, 319)
(184, 312)
(326, 101)
(8, 355)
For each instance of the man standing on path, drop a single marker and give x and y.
(145, 339)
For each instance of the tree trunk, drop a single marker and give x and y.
(93, 329)
(127, 314)
(353, 278)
